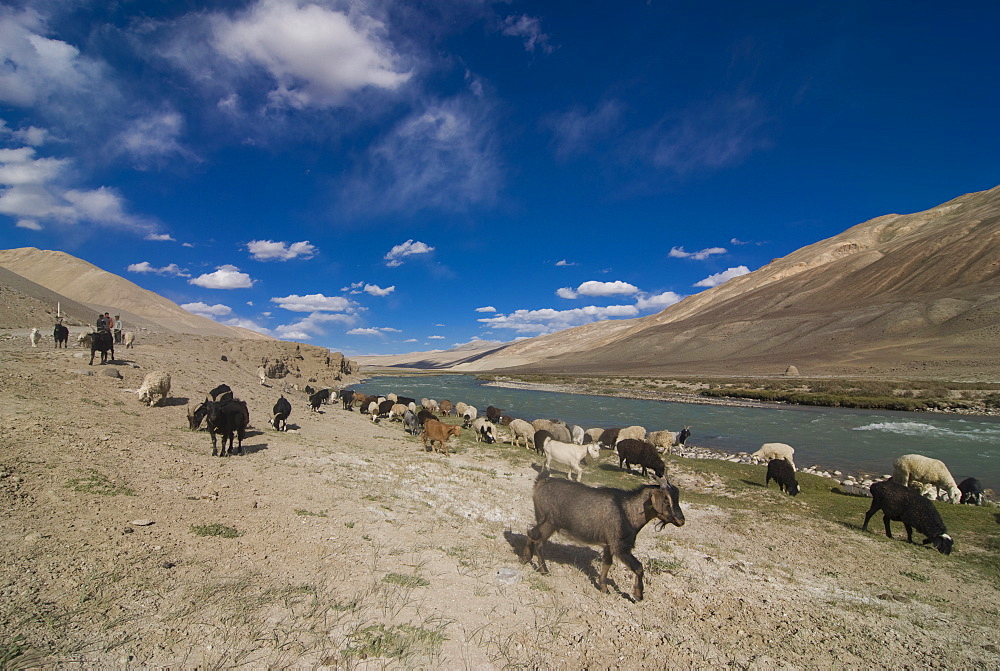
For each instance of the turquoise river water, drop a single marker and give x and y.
(853, 441)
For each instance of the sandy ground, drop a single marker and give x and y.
(355, 548)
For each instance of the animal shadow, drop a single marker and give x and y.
(754, 483)
(997, 518)
(581, 557)
(171, 401)
(253, 449)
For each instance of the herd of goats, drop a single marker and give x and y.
(604, 516)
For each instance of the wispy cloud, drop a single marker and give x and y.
(160, 237)
(268, 250)
(486, 308)
(718, 278)
(529, 29)
(579, 130)
(563, 263)
(679, 253)
(375, 330)
(396, 255)
(376, 290)
(225, 277)
(146, 267)
(314, 325)
(548, 320)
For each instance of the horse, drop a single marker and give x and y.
(102, 340)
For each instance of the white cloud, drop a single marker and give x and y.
(528, 28)
(657, 301)
(147, 267)
(376, 290)
(32, 135)
(719, 278)
(435, 337)
(548, 320)
(206, 310)
(411, 340)
(595, 288)
(225, 277)
(378, 330)
(36, 192)
(266, 250)
(313, 325)
(564, 262)
(314, 55)
(315, 303)
(153, 137)
(679, 253)
(248, 324)
(409, 248)
(566, 292)
(160, 237)
(486, 308)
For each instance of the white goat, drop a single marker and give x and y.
(261, 374)
(35, 337)
(129, 339)
(569, 454)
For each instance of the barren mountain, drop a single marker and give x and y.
(101, 291)
(904, 295)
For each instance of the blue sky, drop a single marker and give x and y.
(383, 177)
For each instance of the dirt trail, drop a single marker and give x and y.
(356, 548)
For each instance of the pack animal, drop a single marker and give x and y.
(279, 414)
(60, 334)
(103, 342)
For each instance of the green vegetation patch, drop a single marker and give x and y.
(405, 580)
(401, 641)
(308, 513)
(220, 530)
(94, 482)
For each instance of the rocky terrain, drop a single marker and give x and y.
(342, 543)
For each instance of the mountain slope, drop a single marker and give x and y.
(85, 283)
(899, 294)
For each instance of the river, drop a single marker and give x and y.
(852, 441)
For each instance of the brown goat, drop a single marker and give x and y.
(439, 432)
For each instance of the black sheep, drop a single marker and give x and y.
(609, 437)
(282, 409)
(972, 491)
(915, 512)
(639, 452)
(424, 415)
(782, 472)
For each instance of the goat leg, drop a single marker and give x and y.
(629, 560)
(606, 559)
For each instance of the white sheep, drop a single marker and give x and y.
(84, 340)
(470, 414)
(261, 374)
(392, 397)
(156, 383)
(595, 434)
(460, 408)
(569, 454)
(769, 451)
(129, 339)
(521, 429)
(664, 441)
(918, 468)
(35, 337)
(579, 435)
(636, 432)
(397, 411)
(485, 430)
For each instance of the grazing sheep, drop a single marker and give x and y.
(603, 516)
(410, 423)
(431, 405)
(385, 407)
(470, 415)
(372, 410)
(594, 435)
(505, 420)
(782, 472)
(261, 374)
(570, 454)
(227, 418)
(460, 408)
(631, 433)
(918, 468)
(558, 430)
(769, 451)
(493, 414)
(639, 452)
(280, 412)
(129, 339)
(666, 440)
(60, 335)
(485, 430)
(35, 337)
(446, 407)
(972, 491)
(392, 397)
(156, 383)
(424, 415)
(438, 432)
(521, 429)
(397, 411)
(346, 397)
(578, 434)
(902, 504)
(609, 437)
(84, 340)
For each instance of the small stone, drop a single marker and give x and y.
(128, 530)
(167, 564)
(142, 522)
(111, 372)
(508, 576)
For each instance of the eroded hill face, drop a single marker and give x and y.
(85, 283)
(905, 295)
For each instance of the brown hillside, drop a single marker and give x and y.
(915, 294)
(86, 283)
